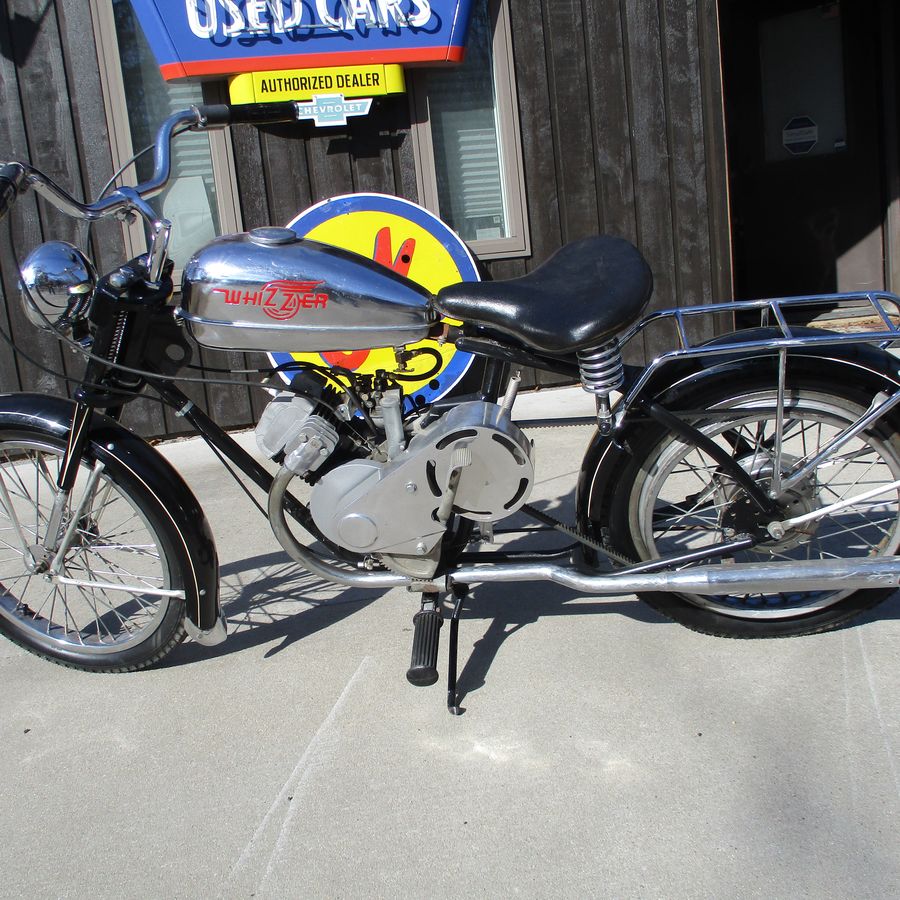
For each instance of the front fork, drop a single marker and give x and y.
(56, 539)
(113, 313)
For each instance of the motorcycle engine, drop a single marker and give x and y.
(472, 462)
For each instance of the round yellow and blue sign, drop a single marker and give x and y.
(410, 240)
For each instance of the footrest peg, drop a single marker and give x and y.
(426, 637)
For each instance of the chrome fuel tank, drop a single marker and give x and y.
(271, 290)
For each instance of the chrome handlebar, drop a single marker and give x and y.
(16, 178)
(11, 177)
(121, 201)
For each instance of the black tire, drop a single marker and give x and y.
(673, 497)
(123, 546)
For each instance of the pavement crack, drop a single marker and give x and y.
(288, 801)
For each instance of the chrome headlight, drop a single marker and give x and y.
(57, 284)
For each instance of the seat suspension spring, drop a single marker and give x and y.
(601, 373)
(601, 368)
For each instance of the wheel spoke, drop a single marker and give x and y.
(684, 500)
(114, 585)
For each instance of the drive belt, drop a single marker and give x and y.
(556, 525)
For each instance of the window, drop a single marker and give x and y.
(201, 198)
(466, 140)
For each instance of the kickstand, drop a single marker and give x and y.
(459, 594)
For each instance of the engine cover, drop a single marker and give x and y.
(473, 460)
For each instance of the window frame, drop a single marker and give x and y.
(509, 136)
(112, 85)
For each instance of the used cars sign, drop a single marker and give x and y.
(196, 38)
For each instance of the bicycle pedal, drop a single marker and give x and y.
(426, 637)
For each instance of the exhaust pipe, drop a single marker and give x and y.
(312, 562)
(740, 578)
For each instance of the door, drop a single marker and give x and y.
(802, 91)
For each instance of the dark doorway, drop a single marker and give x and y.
(803, 104)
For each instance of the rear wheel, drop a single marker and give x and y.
(674, 497)
(114, 601)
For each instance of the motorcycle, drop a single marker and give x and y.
(744, 486)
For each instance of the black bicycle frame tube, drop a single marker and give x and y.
(496, 349)
(495, 373)
(212, 433)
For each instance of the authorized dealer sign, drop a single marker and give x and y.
(333, 94)
(303, 84)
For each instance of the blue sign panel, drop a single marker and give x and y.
(196, 38)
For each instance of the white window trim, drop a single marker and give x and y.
(518, 243)
(122, 149)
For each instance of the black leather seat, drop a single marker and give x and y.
(582, 296)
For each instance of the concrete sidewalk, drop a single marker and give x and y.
(604, 751)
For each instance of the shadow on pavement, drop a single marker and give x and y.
(507, 614)
(269, 597)
(510, 607)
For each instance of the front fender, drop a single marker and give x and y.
(860, 364)
(111, 440)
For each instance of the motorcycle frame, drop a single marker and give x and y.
(640, 389)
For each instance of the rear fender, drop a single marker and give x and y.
(146, 465)
(860, 364)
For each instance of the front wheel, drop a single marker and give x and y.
(674, 497)
(114, 601)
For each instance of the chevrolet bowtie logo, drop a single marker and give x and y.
(332, 109)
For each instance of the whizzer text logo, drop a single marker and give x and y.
(252, 18)
(279, 300)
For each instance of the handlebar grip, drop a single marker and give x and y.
(10, 182)
(221, 114)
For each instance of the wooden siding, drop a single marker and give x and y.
(620, 110)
